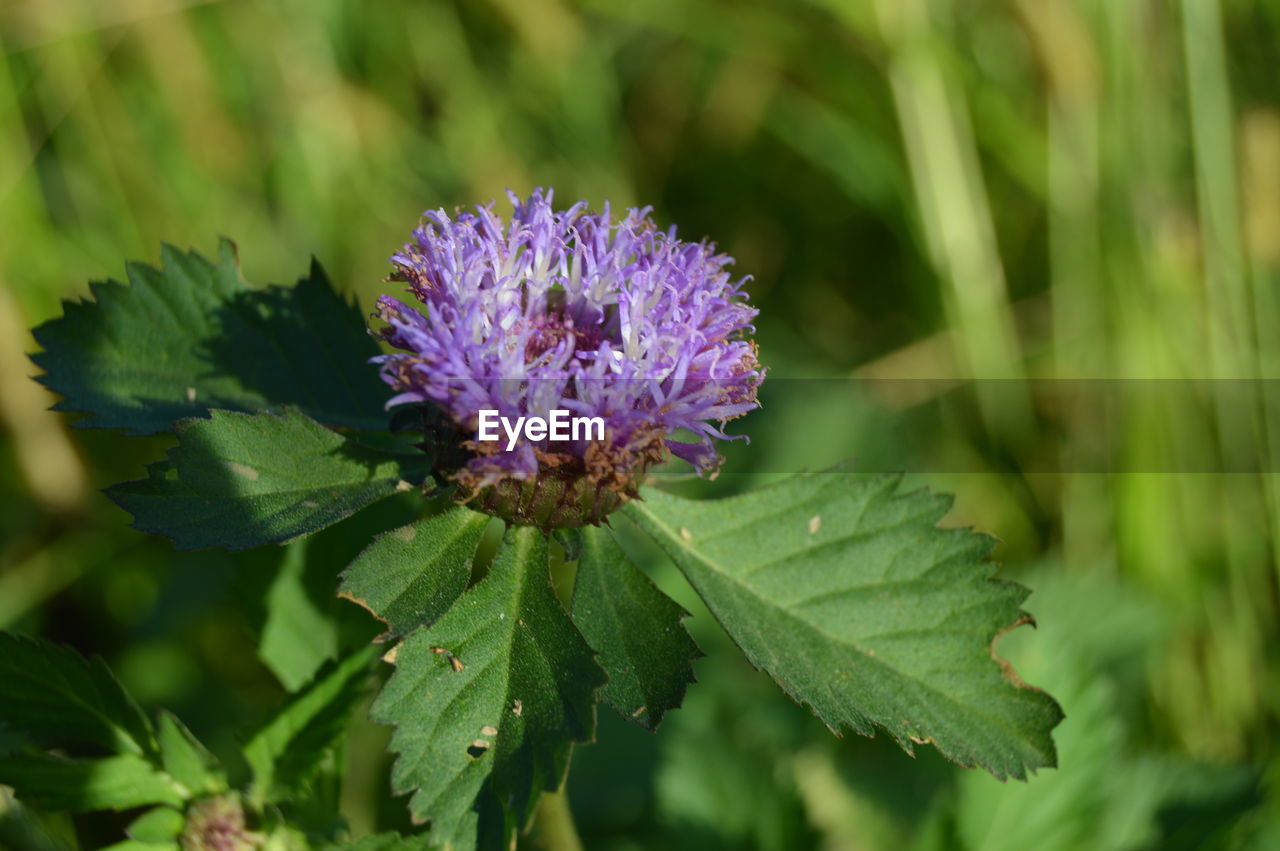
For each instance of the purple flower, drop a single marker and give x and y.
(578, 311)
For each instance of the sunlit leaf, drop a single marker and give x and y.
(241, 480)
(636, 630)
(848, 594)
(58, 697)
(162, 824)
(185, 759)
(299, 633)
(286, 753)
(409, 576)
(487, 701)
(83, 785)
(191, 336)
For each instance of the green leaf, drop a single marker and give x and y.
(58, 697)
(849, 595)
(191, 336)
(299, 634)
(410, 576)
(185, 759)
(83, 785)
(379, 842)
(242, 480)
(24, 829)
(162, 824)
(286, 754)
(488, 700)
(288, 592)
(636, 630)
(570, 540)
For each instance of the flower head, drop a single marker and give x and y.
(573, 310)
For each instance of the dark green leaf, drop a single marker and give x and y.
(162, 824)
(285, 754)
(410, 576)
(570, 540)
(636, 630)
(192, 336)
(858, 605)
(83, 785)
(241, 480)
(185, 759)
(380, 842)
(24, 829)
(58, 697)
(497, 690)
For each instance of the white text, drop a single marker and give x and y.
(560, 426)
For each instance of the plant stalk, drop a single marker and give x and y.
(553, 827)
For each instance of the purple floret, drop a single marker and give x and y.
(571, 309)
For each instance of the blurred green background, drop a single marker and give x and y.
(944, 189)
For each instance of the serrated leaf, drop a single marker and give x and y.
(242, 480)
(849, 595)
(84, 785)
(162, 824)
(185, 759)
(286, 754)
(487, 701)
(636, 630)
(58, 697)
(410, 576)
(191, 336)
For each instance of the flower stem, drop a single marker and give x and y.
(553, 827)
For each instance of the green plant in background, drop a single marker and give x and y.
(843, 589)
(54, 698)
(945, 190)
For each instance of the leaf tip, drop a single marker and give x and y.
(228, 251)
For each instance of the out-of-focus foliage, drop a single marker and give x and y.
(921, 188)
